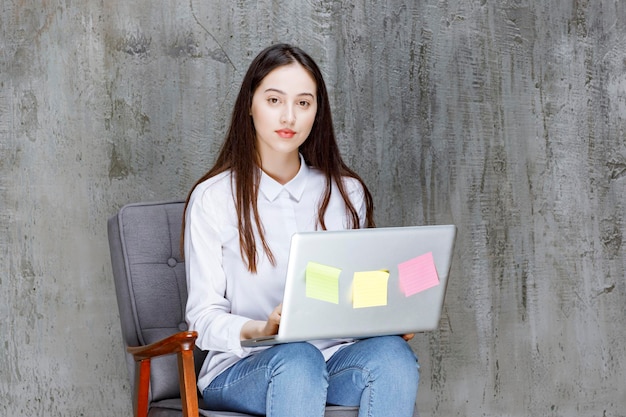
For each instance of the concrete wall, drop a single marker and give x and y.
(507, 118)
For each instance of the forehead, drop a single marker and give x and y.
(292, 79)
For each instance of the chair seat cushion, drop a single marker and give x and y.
(173, 408)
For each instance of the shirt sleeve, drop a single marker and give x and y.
(208, 311)
(356, 194)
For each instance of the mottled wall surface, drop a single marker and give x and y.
(507, 118)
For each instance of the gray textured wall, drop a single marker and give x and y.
(507, 118)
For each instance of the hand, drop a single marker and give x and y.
(273, 321)
(257, 328)
(408, 337)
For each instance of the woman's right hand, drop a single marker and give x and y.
(256, 328)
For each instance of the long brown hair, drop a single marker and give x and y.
(239, 154)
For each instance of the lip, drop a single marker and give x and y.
(285, 133)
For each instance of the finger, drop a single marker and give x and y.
(275, 316)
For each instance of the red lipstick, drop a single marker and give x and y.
(286, 133)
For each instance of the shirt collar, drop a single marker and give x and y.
(271, 188)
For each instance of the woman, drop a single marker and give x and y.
(278, 172)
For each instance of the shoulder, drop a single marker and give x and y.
(350, 184)
(217, 186)
(213, 194)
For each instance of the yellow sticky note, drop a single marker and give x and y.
(369, 289)
(322, 282)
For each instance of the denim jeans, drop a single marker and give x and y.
(380, 375)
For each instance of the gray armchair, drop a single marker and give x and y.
(151, 290)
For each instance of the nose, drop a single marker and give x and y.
(288, 116)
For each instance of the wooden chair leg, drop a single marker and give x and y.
(143, 387)
(188, 388)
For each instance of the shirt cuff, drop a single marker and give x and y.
(234, 337)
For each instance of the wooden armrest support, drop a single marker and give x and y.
(180, 343)
(173, 344)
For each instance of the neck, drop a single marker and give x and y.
(281, 168)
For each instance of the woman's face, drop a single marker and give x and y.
(283, 111)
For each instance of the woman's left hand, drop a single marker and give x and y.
(408, 337)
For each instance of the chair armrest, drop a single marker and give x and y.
(175, 343)
(182, 344)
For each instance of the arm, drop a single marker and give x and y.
(208, 310)
(356, 194)
(256, 328)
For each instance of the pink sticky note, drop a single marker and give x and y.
(418, 274)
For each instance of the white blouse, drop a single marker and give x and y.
(223, 294)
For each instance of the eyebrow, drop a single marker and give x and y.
(276, 90)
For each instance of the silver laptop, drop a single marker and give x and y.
(363, 283)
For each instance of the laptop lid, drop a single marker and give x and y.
(364, 282)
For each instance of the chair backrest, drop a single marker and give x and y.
(150, 283)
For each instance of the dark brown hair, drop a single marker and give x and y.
(239, 153)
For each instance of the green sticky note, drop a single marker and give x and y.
(322, 282)
(369, 289)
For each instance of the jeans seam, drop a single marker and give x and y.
(270, 398)
(350, 369)
(367, 385)
(236, 381)
(370, 403)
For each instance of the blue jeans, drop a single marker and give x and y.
(379, 375)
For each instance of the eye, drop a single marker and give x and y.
(272, 100)
(304, 103)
